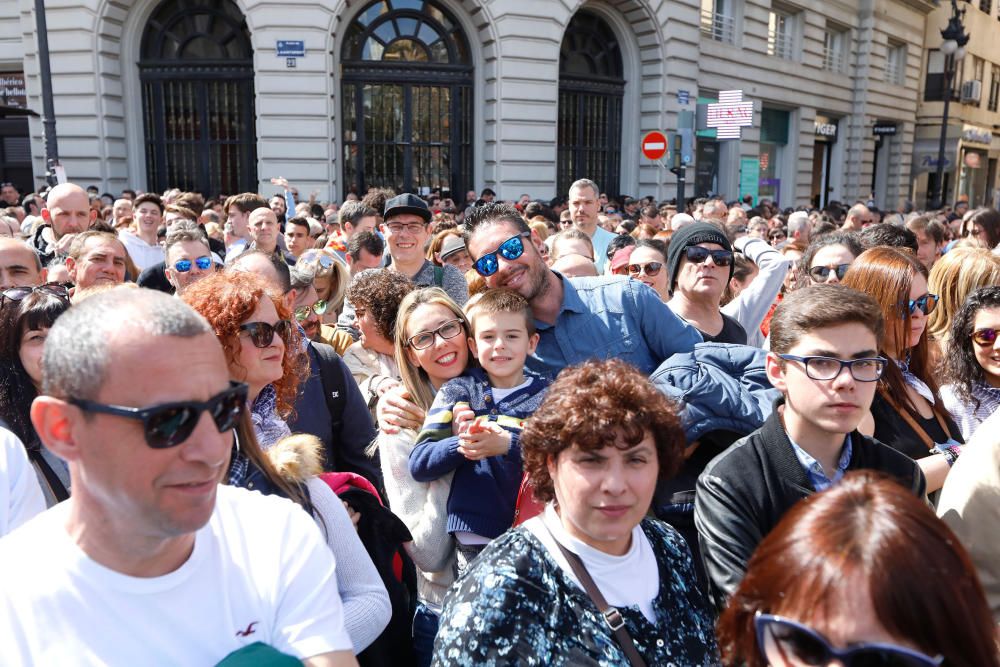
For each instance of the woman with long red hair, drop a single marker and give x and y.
(860, 574)
(908, 412)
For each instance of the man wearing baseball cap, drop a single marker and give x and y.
(405, 226)
(700, 265)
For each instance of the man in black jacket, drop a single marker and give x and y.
(824, 361)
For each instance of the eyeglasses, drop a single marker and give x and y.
(784, 642)
(984, 337)
(819, 274)
(510, 250)
(424, 339)
(925, 303)
(170, 424)
(867, 369)
(408, 227)
(184, 265)
(262, 333)
(57, 290)
(776, 237)
(651, 269)
(302, 312)
(697, 255)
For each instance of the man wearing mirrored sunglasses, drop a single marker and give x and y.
(824, 360)
(700, 266)
(150, 559)
(580, 318)
(189, 258)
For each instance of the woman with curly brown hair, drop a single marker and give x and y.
(591, 580)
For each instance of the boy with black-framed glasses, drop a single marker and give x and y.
(824, 361)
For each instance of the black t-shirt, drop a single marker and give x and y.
(893, 430)
(732, 332)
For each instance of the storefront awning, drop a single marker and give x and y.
(925, 155)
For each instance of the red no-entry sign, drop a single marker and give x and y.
(654, 145)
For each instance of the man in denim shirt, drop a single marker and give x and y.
(578, 319)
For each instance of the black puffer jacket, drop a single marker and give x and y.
(744, 492)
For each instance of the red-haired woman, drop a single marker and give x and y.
(262, 349)
(860, 574)
(908, 412)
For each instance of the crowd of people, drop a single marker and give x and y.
(401, 431)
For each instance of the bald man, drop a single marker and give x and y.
(19, 265)
(67, 211)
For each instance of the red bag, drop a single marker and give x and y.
(527, 506)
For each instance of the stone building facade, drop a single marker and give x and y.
(521, 96)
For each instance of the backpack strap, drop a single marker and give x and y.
(333, 382)
(55, 485)
(438, 276)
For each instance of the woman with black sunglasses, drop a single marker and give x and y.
(26, 315)
(861, 574)
(907, 412)
(972, 361)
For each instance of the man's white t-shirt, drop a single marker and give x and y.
(143, 254)
(20, 494)
(259, 572)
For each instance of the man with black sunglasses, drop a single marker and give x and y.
(700, 266)
(580, 318)
(151, 560)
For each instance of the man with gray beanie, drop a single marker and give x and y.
(700, 265)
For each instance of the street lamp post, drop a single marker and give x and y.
(953, 47)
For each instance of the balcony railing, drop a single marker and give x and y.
(833, 59)
(717, 26)
(780, 44)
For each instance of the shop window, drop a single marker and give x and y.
(718, 20)
(782, 33)
(407, 99)
(895, 64)
(774, 125)
(835, 48)
(591, 91)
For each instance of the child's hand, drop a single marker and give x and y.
(484, 440)
(461, 418)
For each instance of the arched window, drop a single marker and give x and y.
(407, 99)
(591, 88)
(196, 68)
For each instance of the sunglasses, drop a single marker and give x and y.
(424, 339)
(184, 265)
(302, 312)
(785, 642)
(821, 273)
(170, 424)
(510, 250)
(651, 269)
(984, 337)
(318, 257)
(262, 333)
(925, 303)
(57, 290)
(696, 254)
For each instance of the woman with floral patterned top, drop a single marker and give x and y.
(593, 452)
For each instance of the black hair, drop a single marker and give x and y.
(618, 242)
(658, 245)
(38, 310)
(492, 213)
(960, 366)
(887, 234)
(847, 239)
